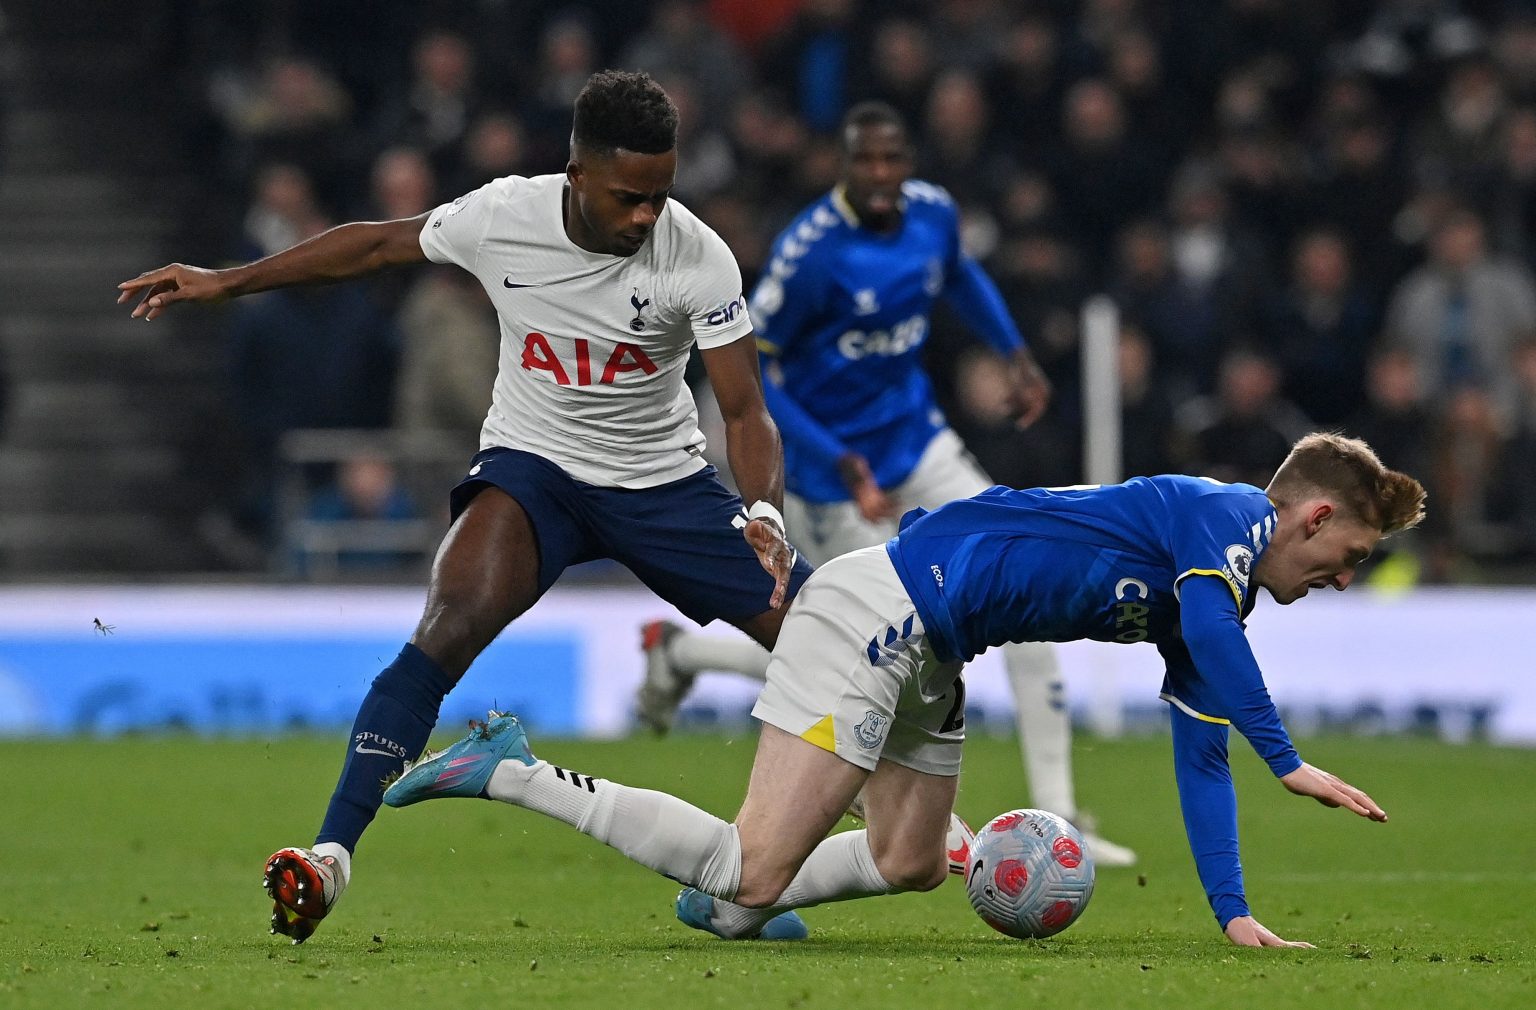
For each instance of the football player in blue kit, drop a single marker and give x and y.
(865, 688)
(842, 314)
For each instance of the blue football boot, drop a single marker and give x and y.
(465, 768)
(696, 909)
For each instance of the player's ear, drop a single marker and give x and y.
(1317, 515)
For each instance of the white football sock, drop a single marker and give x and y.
(840, 868)
(1045, 724)
(655, 829)
(343, 858)
(735, 654)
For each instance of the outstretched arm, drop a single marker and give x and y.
(347, 251)
(807, 435)
(973, 296)
(755, 453)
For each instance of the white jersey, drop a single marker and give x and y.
(593, 346)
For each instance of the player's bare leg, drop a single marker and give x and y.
(485, 574)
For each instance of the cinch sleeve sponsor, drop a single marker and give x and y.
(712, 297)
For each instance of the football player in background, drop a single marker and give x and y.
(591, 448)
(1175, 561)
(842, 315)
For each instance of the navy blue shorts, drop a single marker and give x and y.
(683, 539)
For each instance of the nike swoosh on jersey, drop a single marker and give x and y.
(507, 282)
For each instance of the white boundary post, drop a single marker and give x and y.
(1102, 464)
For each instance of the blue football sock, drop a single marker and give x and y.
(392, 727)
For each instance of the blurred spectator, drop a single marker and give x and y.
(1462, 313)
(438, 103)
(815, 61)
(1101, 175)
(901, 66)
(448, 356)
(1029, 81)
(1146, 411)
(1243, 431)
(291, 112)
(319, 357)
(680, 41)
(1516, 473)
(1395, 418)
(496, 147)
(282, 209)
(984, 416)
(567, 57)
(1463, 475)
(366, 487)
(1514, 195)
(705, 162)
(1320, 329)
(957, 154)
(1459, 146)
(401, 185)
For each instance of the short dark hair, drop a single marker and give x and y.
(1347, 471)
(623, 111)
(870, 114)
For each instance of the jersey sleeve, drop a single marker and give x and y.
(789, 296)
(1208, 802)
(975, 299)
(455, 231)
(1213, 677)
(710, 295)
(1220, 534)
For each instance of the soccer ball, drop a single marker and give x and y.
(1029, 874)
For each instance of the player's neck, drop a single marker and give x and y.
(576, 228)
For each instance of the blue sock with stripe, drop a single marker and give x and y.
(392, 727)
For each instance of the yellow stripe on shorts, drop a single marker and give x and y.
(821, 735)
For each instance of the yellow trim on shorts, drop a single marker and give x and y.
(1176, 703)
(822, 735)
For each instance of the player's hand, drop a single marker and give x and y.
(157, 289)
(1246, 931)
(873, 503)
(1331, 791)
(1031, 393)
(774, 554)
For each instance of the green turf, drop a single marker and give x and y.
(132, 868)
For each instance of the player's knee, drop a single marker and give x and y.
(913, 871)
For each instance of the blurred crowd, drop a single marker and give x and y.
(1310, 214)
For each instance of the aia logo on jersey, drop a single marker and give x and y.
(538, 356)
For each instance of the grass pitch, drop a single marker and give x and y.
(132, 869)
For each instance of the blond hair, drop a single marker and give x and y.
(1348, 472)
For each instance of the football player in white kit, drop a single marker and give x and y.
(591, 448)
(842, 315)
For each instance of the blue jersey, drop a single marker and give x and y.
(1166, 560)
(842, 313)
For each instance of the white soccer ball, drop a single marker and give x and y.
(1029, 874)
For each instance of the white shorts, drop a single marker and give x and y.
(853, 672)
(945, 472)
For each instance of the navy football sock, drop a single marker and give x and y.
(392, 726)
